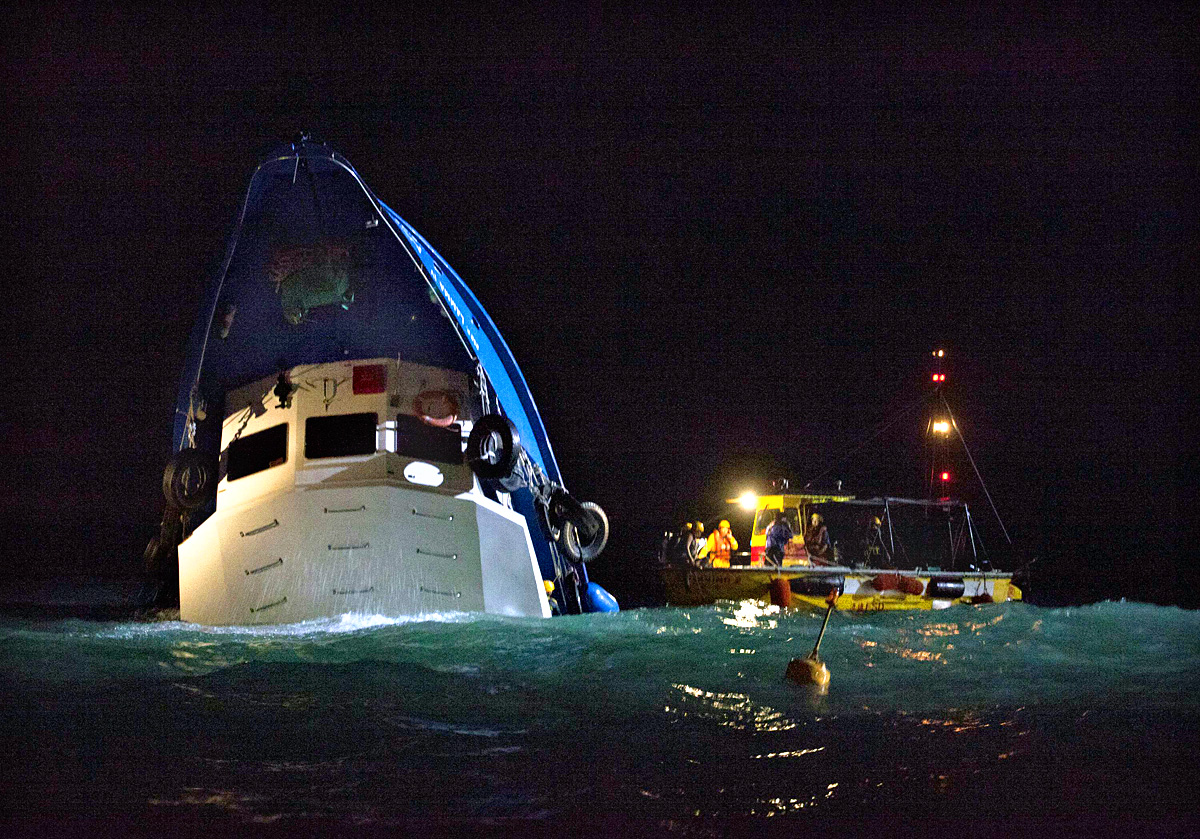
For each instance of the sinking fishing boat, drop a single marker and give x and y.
(871, 570)
(352, 433)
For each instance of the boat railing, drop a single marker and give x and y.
(843, 570)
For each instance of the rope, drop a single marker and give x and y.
(850, 453)
(995, 512)
(485, 398)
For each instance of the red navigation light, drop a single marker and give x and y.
(935, 378)
(939, 377)
(945, 476)
(370, 378)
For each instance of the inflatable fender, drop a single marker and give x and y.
(945, 588)
(599, 600)
(818, 586)
(781, 593)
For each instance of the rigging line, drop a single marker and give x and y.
(995, 512)
(225, 267)
(396, 234)
(883, 427)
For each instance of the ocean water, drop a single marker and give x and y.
(672, 720)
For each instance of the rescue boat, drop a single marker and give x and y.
(871, 566)
(352, 433)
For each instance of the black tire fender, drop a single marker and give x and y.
(493, 447)
(562, 508)
(188, 479)
(585, 538)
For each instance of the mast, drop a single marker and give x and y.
(938, 428)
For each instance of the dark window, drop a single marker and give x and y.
(416, 438)
(340, 436)
(256, 452)
(766, 518)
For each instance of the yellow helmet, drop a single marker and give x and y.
(722, 524)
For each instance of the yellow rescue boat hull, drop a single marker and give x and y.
(702, 586)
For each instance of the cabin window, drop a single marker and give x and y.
(344, 435)
(418, 439)
(767, 516)
(257, 452)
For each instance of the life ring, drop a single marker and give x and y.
(436, 407)
(493, 448)
(886, 582)
(187, 479)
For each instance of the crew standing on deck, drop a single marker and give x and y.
(816, 540)
(678, 549)
(778, 536)
(720, 546)
(696, 544)
(873, 552)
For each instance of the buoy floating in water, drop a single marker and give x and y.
(810, 670)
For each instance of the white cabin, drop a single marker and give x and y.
(350, 493)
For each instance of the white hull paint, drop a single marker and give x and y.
(305, 538)
(374, 549)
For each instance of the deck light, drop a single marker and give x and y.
(748, 500)
(941, 427)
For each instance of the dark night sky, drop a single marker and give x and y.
(720, 247)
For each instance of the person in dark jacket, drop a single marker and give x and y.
(778, 536)
(678, 551)
(816, 540)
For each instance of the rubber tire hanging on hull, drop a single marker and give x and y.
(493, 449)
(573, 540)
(188, 479)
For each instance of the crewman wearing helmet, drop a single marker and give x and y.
(720, 546)
(695, 544)
(816, 540)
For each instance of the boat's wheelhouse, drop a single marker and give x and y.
(342, 423)
(797, 509)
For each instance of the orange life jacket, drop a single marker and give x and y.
(720, 548)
